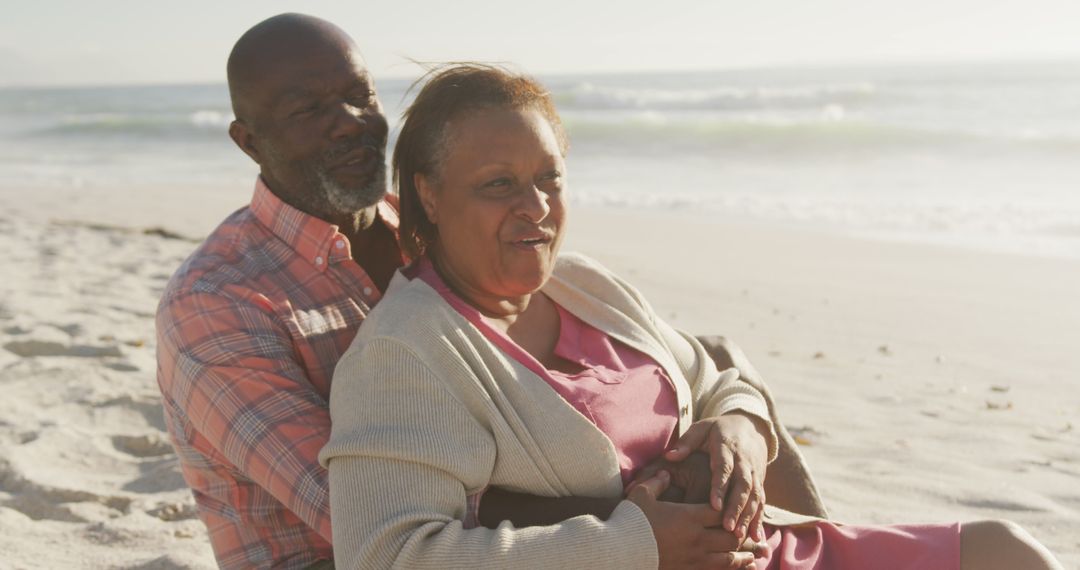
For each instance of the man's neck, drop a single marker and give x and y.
(352, 224)
(374, 246)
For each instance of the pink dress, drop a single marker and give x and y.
(629, 397)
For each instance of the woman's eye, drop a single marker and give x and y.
(498, 183)
(551, 179)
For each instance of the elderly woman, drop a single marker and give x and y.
(524, 370)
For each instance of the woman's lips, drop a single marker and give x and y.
(532, 242)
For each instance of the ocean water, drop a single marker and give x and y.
(984, 156)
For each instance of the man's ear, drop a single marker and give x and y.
(425, 190)
(245, 139)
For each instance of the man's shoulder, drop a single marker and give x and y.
(239, 252)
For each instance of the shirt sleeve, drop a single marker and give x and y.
(234, 373)
(404, 456)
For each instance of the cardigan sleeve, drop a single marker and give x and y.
(403, 455)
(717, 392)
(713, 392)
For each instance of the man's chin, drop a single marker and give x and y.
(350, 196)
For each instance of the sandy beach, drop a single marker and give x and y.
(924, 383)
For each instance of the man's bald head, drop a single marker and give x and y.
(267, 44)
(307, 113)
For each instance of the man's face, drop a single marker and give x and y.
(320, 130)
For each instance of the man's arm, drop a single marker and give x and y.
(522, 510)
(788, 483)
(232, 369)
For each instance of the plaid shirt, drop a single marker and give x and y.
(249, 331)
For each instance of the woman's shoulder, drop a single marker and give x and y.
(409, 309)
(579, 277)
(573, 261)
(583, 272)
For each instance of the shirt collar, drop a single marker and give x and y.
(314, 239)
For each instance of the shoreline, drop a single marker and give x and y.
(192, 212)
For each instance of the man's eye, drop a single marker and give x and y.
(362, 100)
(553, 175)
(498, 183)
(305, 109)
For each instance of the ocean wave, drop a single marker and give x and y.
(590, 96)
(200, 124)
(829, 129)
(825, 130)
(1037, 228)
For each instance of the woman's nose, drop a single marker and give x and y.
(534, 205)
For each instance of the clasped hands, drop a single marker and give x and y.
(706, 495)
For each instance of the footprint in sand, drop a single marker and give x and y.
(999, 505)
(175, 511)
(122, 367)
(149, 409)
(172, 561)
(145, 445)
(71, 329)
(157, 476)
(44, 502)
(33, 347)
(158, 467)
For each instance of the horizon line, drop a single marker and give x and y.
(884, 63)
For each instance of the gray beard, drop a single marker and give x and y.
(350, 200)
(327, 197)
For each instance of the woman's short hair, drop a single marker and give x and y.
(451, 92)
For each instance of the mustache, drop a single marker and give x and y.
(334, 153)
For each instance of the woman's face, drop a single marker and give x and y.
(497, 203)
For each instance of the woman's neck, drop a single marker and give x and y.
(501, 310)
(532, 321)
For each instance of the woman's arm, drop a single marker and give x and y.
(403, 455)
(732, 424)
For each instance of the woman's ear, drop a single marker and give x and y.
(425, 190)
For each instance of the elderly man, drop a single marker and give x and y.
(252, 324)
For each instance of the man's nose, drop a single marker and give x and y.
(351, 121)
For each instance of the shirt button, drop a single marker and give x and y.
(340, 244)
(367, 290)
(685, 410)
(318, 261)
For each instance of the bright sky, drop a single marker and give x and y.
(64, 42)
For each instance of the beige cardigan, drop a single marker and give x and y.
(426, 411)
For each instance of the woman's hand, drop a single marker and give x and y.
(736, 444)
(687, 535)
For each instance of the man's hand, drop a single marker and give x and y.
(736, 446)
(687, 536)
(691, 478)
